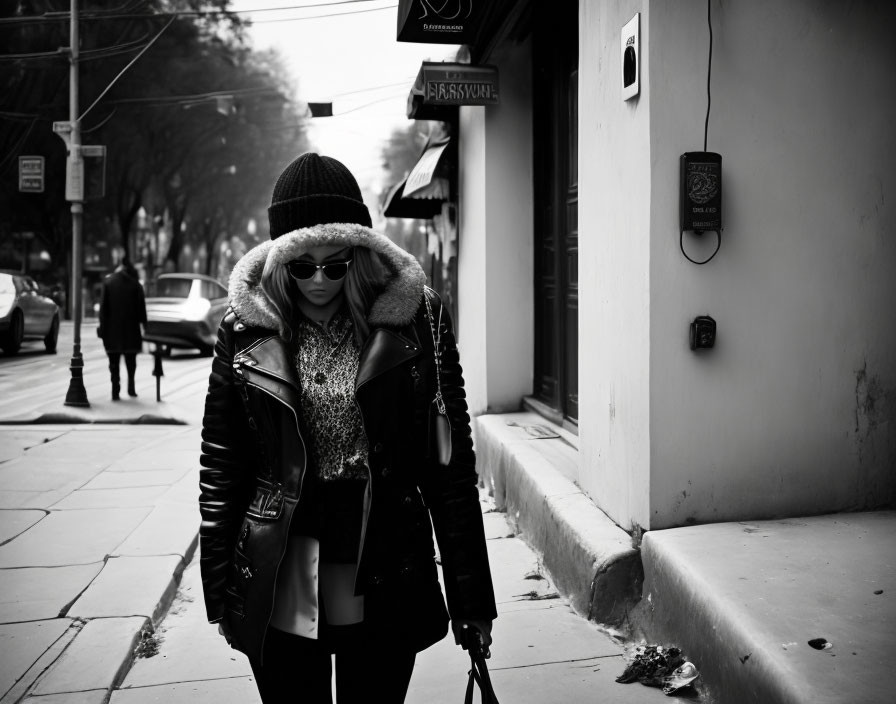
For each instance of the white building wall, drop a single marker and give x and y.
(495, 261)
(794, 411)
(472, 259)
(614, 260)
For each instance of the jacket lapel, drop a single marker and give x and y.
(385, 350)
(268, 364)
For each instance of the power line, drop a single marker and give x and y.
(317, 17)
(116, 15)
(124, 70)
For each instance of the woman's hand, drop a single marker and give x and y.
(483, 627)
(224, 630)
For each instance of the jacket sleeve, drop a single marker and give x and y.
(452, 495)
(225, 477)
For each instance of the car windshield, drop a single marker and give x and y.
(173, 288)
(6, 284)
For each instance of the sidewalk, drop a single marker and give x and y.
(97, 524)
(542, 652)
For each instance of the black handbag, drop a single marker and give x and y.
(478, 674)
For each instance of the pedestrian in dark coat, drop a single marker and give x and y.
(122, 312)
(322, 482)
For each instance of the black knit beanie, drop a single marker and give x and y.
(315, 190)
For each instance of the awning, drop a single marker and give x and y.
(397, 206)
(424, 190)
(424, 170)
(442, 86)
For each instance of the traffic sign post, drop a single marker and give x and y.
(31, 174)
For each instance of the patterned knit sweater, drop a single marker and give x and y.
(327, 361)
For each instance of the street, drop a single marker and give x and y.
(33, 381)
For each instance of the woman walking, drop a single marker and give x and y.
(325, 464)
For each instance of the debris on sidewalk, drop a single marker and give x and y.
(821, 644)
(656, 666)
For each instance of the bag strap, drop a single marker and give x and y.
(436, 330)
(479, 675)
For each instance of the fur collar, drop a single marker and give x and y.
(395, 306)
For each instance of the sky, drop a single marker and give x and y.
(352, 60)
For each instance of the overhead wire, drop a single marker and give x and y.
(124, 70)
(106, 15)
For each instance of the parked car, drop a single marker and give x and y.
(25, 314)
(184, 311)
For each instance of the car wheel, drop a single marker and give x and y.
(52, 336)
(13, 340)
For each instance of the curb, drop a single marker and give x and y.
(590, 559)
(63, 419)
(148, 625)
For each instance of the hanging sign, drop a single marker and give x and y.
(438, 21)
(440, 83)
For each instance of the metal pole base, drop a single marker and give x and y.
(77, 394)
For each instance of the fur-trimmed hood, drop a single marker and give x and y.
(395, 306)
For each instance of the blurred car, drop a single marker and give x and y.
(25, 314)
(184, 311)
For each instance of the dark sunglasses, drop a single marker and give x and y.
(305, 270)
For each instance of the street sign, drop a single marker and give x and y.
(31, 174)
(74, 175)
(85, 172)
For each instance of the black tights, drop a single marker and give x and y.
(298, 670)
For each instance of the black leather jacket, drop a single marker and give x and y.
(253, 466)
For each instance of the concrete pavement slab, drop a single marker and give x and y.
(496, 525)
(185, 491)
(185, 632)
(46, 474)
(233, 690)
(744, 599)
(110, 498)
(15, 441)
(72, 537)
(515, 571)
(134, 480)
(153, 458)
(96, 659)
(170, 529)
(543, 635)
(22, 644)
(440, 676)
(36, 500)
(13, 522)
(130, 586)
(179, 440)
(32, 593)
(92, 696)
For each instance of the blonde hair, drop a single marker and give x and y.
(364, 281)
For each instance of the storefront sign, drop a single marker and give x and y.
(456, 84)
(438, 22)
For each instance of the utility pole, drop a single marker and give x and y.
(77, 394)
